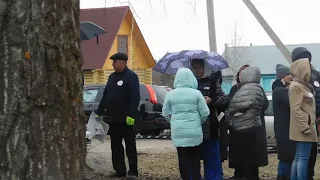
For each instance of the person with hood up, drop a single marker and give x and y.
(261, 150)
(209, 86)
(238, 170)
(245, 110)
(281, 111)
(235, 87)
(302, 117)
(187, 110)
(301, 53)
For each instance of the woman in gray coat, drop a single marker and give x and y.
(245, 110)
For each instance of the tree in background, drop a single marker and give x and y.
(162, 79)
(235, 54)
(42, 125)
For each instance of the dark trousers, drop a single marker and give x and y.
(249, 173)
(312, 160)
(189, 162)
(239, 173)
(243, 149)
(118, 132)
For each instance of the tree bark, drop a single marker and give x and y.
(42, 125)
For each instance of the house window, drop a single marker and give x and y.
(123, 44)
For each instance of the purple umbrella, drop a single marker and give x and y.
(171, 62)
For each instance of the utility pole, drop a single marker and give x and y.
(283, 49)
(211, 26)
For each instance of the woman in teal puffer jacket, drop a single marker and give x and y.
(186, 109)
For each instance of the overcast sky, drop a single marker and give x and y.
(173, 25)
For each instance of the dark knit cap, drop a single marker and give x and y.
(300, 53)
(282, 71)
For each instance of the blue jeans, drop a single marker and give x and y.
(284, 169)
(212, 162)
(299, 169)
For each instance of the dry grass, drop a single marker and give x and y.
(165, 166)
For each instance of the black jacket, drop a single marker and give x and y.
(121, 96)
(82, 80)
(211, 127)
(316, 85)
(220, 103)
(210, 86)
(233, 90)
(281, 110)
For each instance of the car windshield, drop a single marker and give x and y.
(90, 95)
(161, 93)
(269, 111)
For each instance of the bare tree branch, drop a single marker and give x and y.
(150, 4)
(162, 79)
(236, 53)
(163, 2)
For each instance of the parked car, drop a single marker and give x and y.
(166, 87)
(269, 118)
(149, 121)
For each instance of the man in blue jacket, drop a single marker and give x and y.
(120, 101)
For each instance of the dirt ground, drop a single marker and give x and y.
(158, 160)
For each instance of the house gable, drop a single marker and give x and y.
(116, 21)
(110, 19)
(141, 55)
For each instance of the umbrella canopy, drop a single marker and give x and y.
(171, 62)
(89, 30)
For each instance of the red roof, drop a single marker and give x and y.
(110, 19)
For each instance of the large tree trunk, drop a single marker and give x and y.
(42, 125)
